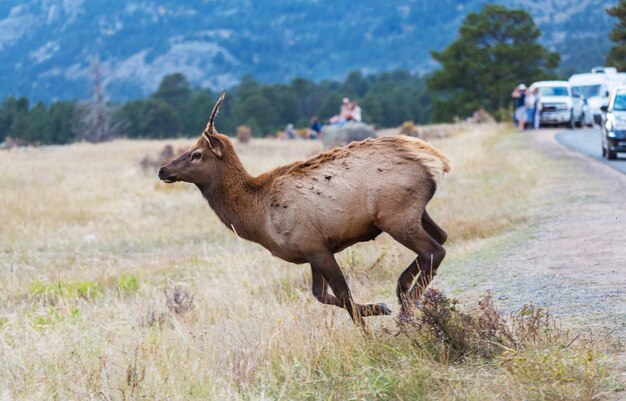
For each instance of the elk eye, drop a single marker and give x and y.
(196, 156)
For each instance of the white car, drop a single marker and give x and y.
(558, 105)
(614, 124)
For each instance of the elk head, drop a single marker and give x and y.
(199, 164)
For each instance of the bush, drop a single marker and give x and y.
(481, 116)
(504, 115)
(165, 156)
(178, 300)
(408, 128)
(244, 134)
(452, 334)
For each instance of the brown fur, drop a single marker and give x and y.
(304, 212)
(411, 148)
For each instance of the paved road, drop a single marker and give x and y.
(588, 142)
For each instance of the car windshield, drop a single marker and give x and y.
(620, 102)
(553, 91)
(587, 90)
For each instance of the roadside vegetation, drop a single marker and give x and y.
(114, 286)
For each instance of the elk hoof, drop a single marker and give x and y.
(384, 309)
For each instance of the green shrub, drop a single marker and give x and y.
(65, 289)
(128, 284)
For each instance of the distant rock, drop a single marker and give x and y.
(334, 135)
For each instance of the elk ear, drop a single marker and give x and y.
(216, 145)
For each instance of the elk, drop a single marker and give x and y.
(307, 211)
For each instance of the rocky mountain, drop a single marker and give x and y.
(46, 46)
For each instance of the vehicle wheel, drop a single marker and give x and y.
(571, 124)
(611, 155)
(579, 123)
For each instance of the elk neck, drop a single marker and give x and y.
(235, 199)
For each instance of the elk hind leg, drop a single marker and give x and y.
(416, 277)
(436, 232)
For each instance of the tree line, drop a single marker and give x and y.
(178, 109)
(497, 48)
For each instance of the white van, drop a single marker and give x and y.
(596, 86)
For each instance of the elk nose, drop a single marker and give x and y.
(161, 173)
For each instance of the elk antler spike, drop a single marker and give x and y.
(209, 130)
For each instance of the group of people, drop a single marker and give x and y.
(526, 107)
(350, 111)
(314, 131)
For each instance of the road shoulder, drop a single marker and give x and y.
(571, 256)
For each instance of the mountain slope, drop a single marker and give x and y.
(46, 45)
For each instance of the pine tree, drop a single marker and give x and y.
(176, 92)
(617, 55)
(496, 50)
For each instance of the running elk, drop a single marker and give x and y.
(307, 211)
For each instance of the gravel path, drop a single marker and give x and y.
(573, 258)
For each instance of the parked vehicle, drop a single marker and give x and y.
(558, 105)
(595, 87)
(614, 124)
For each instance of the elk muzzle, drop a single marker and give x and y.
(165, 176)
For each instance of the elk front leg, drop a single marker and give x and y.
(328, 268)
(320, 291)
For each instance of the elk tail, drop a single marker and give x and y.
(435, 161)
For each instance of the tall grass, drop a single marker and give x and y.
(114, 286)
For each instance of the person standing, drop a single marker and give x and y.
(519, 94)
(537, 107)
(315, 128)
(529, 103)
(290, 133)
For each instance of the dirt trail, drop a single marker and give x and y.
(574, 259)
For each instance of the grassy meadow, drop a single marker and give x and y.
(115, 286)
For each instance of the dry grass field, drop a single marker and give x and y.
(115, 286)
